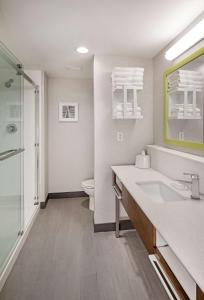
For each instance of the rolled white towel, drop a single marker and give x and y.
(119, 106)
(119, 115)
(129, 114)
(181, 89)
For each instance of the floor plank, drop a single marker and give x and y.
(63, 259)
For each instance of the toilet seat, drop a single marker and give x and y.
(88, 184)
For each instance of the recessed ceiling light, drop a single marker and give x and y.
(82, 50)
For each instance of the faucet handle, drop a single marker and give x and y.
(193, 175)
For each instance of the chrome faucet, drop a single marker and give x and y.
(195, 191)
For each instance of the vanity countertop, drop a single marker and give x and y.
(181, 223)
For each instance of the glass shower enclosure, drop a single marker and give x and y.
(12, 150)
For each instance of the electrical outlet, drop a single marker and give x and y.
(120, 136)
(181, 135)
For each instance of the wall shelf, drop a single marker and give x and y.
(126, 84)
(184, 88)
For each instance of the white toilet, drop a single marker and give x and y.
(88, 187)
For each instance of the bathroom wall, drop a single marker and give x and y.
(160, 65)
(70, 145)
(137, 133)
(164, 160)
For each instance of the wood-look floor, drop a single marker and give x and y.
(63, 259)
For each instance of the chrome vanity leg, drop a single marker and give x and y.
(117, 217)
(118, 197)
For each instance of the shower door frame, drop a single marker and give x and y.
(6, 54)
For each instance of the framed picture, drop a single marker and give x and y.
(68, 112)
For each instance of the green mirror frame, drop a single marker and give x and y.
(167, 140)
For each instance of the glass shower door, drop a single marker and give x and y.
(11, 157)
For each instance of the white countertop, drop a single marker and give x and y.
(181, 223)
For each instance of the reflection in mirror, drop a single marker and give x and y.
(185, 102)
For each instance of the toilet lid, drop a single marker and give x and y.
(88, 183)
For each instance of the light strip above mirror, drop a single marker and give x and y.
(188, 40)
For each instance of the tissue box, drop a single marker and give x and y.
(142, 161)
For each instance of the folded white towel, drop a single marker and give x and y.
(186, 81)
(136, 87)
(134, 76)
(185, 74)
(187, 108)
(127, 80)
(185, 77)
(182, 104)
(188, 72)
(133, 69)
(140, 82)
(181, 89)
(192, 86)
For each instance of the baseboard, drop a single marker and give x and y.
(61, 195)
(67, 195)
(44, 204)
(14, 255)
(104, 227)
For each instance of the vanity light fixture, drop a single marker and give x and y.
(188, 40)
(82, 50)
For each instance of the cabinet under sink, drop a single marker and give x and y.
(178, 282)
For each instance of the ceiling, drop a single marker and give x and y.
(45, 33)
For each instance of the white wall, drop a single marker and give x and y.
(137, 133)
(70, 150)
(160, 65)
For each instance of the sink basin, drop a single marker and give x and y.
(160, 192)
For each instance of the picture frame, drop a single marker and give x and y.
(68, 112)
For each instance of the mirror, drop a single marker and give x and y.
(184, 102)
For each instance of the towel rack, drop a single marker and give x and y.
(126, 84)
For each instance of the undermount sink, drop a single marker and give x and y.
(160, 192)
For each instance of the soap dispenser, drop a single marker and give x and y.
(142, 160)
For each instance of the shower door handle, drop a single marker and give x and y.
(6, 154)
